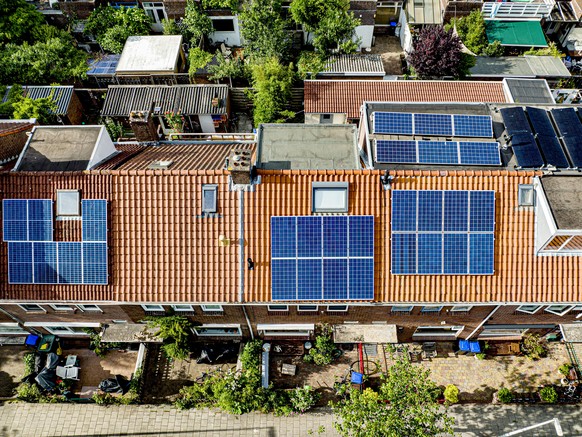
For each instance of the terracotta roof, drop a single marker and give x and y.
(519, 276)
(125, 152)
(185, 156)
(13, 138)
(343, 96)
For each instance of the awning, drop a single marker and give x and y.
(572, 333)
(516, 33)
(130, 333)
(375, 334)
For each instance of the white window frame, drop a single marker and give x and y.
(221, 18)
(331, 309)
(62, 307)
(61, 213)
(401, 308)
(510, 332)
(577, 308)
(461, 308)
(90, 308)
(50, 325)
(285, 330)
(431, 309)
(335, 187)
(5, 329)
(325, 118)
(212, 308)
(68, 330)
(448, 331)
(566, 310)
(523, 309)
(307, 308)
(182, 308)
(281, 308)
(39, 309)
(216, 326)
(156, 307)
(523, 191)
(211, 188)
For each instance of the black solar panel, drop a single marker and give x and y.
(526, 151)
(515, 120)
(546, 137)
(571, 131)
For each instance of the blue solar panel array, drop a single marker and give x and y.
(523, 142)
(322, 258)
(547, 139)
(105, 66)
(568, 123)
(443, 232)
(33, 258)
(438, 152)
(401, 123)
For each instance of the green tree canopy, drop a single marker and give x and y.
(272, 84)
(263, 29)
(196, 22)
(111, 27)
(330, 21)
(19, 107)
(471, 30)
(404, 405)
(19, 21)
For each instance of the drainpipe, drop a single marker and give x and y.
(241, 258)
(483, 322)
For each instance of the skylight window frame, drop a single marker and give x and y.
(210, 188)
(59, 207)
(330, 187)
(524, 191)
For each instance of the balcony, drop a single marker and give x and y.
(517, 10)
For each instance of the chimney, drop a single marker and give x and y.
(142, 125)
(239, 165)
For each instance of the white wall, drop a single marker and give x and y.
(231, 39)
(405, 35)
(206, 124)
(314, 118)
(365, 33)
(104, 148)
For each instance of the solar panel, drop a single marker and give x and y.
(19, 263)
(322, 258)
(14, 223)
(526, 151)
(515, 120)
(94, 215)
(433, 124)
(546, 137)
(27, 220)
(473, 126)
(392, 123)
(438, 152)
(571, 131)
(454, 232)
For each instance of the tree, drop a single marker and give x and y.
(176, 333)
(471, 30)
(264, 29)
(550, 50)
(404, 405)
(196, 22)
(272, 84)
(18, 22)
(330, 21)
(111, 27)
(437, 53)
(310, 64)
(230, 68)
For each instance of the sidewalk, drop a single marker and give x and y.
(37, 420)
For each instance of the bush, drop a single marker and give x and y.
(322, 352)
(176, 333)
(451, 394)
(564, 369)
(28, 392)
(198, 58)
(549, 395)
(504, 395)
(494, 50)
(534, 347)
(303, 398)
(481, 356)
(104, 399)
(28, 363)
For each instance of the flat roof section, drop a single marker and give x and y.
(59, 148)
(519, 66)
(305, 146)
(564, 195)
(150, 54)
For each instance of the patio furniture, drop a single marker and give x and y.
(288, 369)
(508, 348)
(429, 350)
(68, 372)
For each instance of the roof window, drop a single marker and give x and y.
(526, 195)
(209, 195)
(330, 197)
(68, 203)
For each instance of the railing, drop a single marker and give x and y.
(248, 137)
(516, 11)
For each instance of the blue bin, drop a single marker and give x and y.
(32, 340)
(474, 347)
(357, 377)
(463, 347)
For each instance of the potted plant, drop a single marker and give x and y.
(451, 394)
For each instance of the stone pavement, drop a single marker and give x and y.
(87, 420)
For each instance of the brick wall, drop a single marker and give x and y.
(175, 8)
(109, 313)
(12, 140)
(75, 110)
(77, 9)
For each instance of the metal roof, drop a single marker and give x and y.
(188, 99)
(519, 66)
(61, 95)
(150, 54)
(354, 65)
(516, 33)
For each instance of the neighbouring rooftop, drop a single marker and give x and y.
(304, 146)
(60, 94)
(529, 91)
(156, 54)
(354, 65)
(564, 195)
(516, 33)
(519, 66)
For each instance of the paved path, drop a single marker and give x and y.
(88, 420)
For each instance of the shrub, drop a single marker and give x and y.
(322, 352)
(451, 394)
(564, 369)
(504, 395)
(28, 392)
(198, 58)
(549, 395)
(104, 399)
(28, 363)
(176, 333)
(494, 50)
(481, 356)
(303, 398)
(534, 347)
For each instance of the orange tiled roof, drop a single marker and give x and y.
(347, 96)
(519, 276)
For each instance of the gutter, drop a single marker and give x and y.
(241, 258)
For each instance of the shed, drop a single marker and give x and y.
(519, 66)
(150, 55)
(361, 66)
